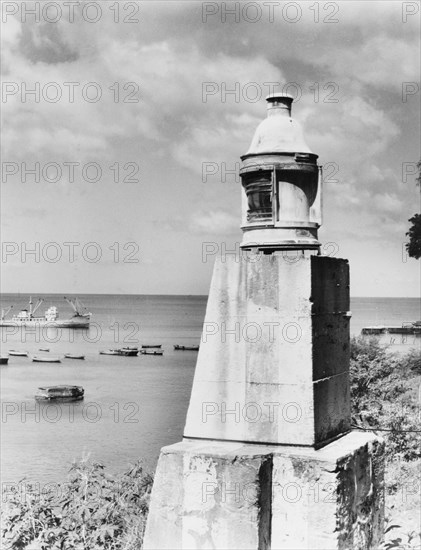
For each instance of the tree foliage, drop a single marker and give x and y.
(383, 396)
(92, 510)
(413, 247)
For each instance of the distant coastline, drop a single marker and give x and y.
(194, 296)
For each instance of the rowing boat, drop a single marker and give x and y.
(46, 359)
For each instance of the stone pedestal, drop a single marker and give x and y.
(268, 460)
(273, 364)
(225, 495)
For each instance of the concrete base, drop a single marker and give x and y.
(273, 364)
(222, 495)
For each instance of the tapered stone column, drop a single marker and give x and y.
(274, 358)
(268, 460)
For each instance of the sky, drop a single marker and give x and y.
(140, 112)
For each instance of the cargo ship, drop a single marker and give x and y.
(27, 318)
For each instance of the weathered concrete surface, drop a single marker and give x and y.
(222, 495)
(274, 358)
(330, 498)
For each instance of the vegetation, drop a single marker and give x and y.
(94, 510)
(413, 247)
(385, 396)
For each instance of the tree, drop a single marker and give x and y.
(413, 247)
(418, 180)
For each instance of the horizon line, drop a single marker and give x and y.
(34, 293)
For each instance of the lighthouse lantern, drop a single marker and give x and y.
(280, 178)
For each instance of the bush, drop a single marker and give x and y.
(384, 396)
(92, 510)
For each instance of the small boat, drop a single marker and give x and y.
(44, 349)
(186, 348)
(145, 346)
(4, 360)
(18, 353)
(60, 393)
(73, 356)
(128, 352)
(151, 352)
(46, 359)
(109, 352)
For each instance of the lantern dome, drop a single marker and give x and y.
(279, 132)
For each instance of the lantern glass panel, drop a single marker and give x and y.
(259, 198)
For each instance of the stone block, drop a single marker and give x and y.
(210, 496)
(276, 331)
(330, 344)
(332, 498)
(250, 412)
(222, 495)
(332, 409)
(329, 284)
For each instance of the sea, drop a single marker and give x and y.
(133, 406)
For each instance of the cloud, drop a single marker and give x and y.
(388, 202)
(215, 222)
(45, 43)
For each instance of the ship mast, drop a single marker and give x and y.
(71, 302)
(77, 306)
(4, 312)
(40, 300)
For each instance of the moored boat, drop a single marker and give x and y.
(51, 359)
(109, 352)
(18, 353)
(150, 346)
(151, 352)
(125, 352)
(186, 348)
(60, 393)
(4, 360)
(128, 352)
(73, 356)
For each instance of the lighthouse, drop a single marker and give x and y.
(268, 458)
(281, 207)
